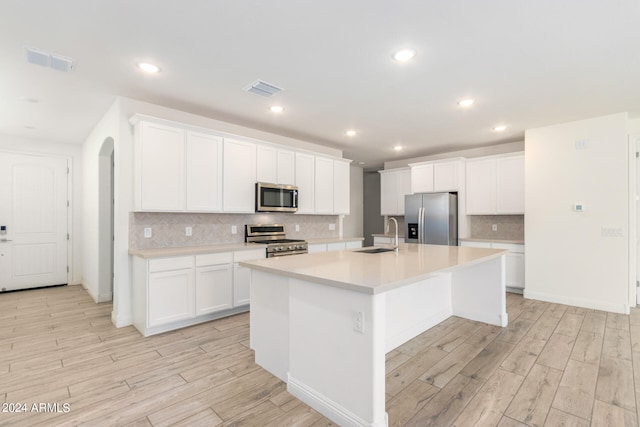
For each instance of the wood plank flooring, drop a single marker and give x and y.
(554, 365)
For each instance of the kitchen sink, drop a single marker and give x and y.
(376, 250)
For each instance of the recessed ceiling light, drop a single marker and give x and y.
(148, 68)
(500, 128)
(397, 147)
(30, 127)
(404, 55)
(351, 132)
(361, 163)
(466, 102)
(276, 109)
(31, 100)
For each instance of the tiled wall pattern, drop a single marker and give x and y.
(168, 229)
(510, 227)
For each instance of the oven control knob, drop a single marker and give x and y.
(277, 248)
(289, 247)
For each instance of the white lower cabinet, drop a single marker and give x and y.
(514, 262)
(174, 292)
(170, 296)
(214, 283)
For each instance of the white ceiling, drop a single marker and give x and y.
(526, 63)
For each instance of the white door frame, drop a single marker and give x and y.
(634, 178)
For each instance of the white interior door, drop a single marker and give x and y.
(33, 208)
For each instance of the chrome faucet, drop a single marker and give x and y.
(395, 246)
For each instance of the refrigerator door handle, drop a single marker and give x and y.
(420, 224)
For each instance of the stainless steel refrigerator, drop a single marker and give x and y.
(431, 218)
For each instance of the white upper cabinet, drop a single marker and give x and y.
(394, 185)
(204, 172)
(305, 179)
(324, 186)
(341, 187)
(510, 185)
(266, 164)
(495, 185)
(422, 178)
(239, 177)
(286, 167)
(481, 183)
(274, 166)
(436, 176)
(446, 175)
(160, 167)
(183, 168)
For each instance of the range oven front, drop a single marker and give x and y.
(276, 197)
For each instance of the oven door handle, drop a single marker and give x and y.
(279, 254)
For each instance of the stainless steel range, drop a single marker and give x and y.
(274, 236)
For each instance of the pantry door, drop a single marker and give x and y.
(33, 210)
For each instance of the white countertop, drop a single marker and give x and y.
(194, 250)
(392, 235)
(374, 273)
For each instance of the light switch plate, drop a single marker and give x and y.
(188, 231)
(147, 233)
(297, 227)
(234, 229)
(332, 226)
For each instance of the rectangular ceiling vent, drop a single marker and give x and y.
(52, 60)
(262, 88)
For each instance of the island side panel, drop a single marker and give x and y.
(414, 308)
(478, 292)
(335, 369)
(269, 322)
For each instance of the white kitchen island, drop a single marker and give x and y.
(323, 322)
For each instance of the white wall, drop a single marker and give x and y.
(107, 127)
(568, 259)
(115, 124)
(74, 152)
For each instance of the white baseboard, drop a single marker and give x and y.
(578, 302)
(330, 409)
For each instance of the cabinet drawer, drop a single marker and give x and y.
(249, 255)
(167, 264)
(214, 259)
(509, 246)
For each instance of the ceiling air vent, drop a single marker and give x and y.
(55, 61)
(263, 88)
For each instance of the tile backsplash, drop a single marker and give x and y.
(509, 227)
(168, 229)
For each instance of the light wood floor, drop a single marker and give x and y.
(553, 365)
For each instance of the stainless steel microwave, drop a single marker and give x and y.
(276, 197)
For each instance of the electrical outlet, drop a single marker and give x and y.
(234, 229)
(147, 233)
(297, 227)
(188, 231)
(332, 226)
(494, 227)
(358, 322)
